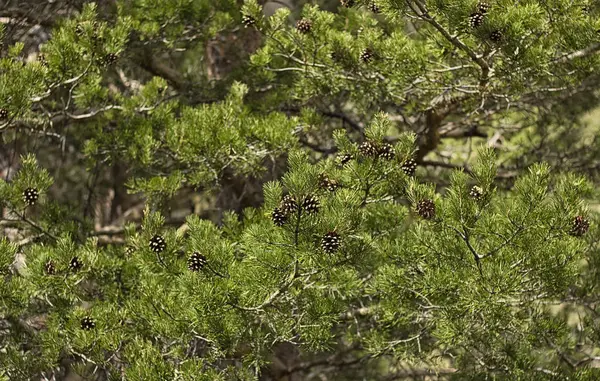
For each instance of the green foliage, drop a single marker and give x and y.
(221, 200)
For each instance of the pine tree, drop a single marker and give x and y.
(172, 204)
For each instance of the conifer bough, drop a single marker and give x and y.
(232, 143)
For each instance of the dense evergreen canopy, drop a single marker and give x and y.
(292, 190)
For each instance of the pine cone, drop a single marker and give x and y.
(476, 193)
(368, 149)
(288, 204)
(409, 167)
(476, 19)
(196, 261)
(42, 60)
(248, 21)
(483, 7)
(496, 36)
(79, 30)
(110, 59)
(279, 217)
(75, 264)
(331, 242)
(386, 151)
(373, 7)
(157, 244)
(367, 55)
(328, 184)
(50, 268)
(30, 196)
(580, 226)
(303, 26)
(426, 209)
(87, 323)
(347, 3)
(3, 113)
(344, 159)
(311, 205)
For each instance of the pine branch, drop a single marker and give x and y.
(464, 235)
(420, 372)
(433, 163)
(592, 49)
(364, 311)
(454, 40)
(148, 61)
(36, 226)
